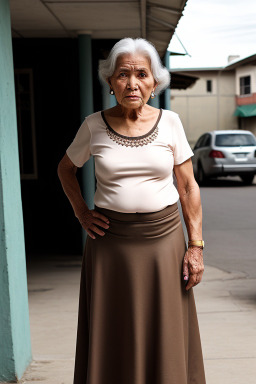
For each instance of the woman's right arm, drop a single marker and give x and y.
(89, 219)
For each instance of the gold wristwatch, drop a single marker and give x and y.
(197, 243)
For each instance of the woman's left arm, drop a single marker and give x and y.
(193, 266)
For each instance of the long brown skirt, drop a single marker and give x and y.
(136, 323)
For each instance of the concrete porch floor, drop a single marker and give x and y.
(226, 307)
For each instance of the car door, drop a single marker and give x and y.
(198, 151)
(205, 150)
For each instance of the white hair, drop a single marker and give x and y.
(132, 46)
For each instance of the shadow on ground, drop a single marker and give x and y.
(227, 182)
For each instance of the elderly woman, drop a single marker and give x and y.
(137, 320)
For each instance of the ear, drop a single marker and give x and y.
(155, 85)
(109, 81)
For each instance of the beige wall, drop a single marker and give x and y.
(201, 111)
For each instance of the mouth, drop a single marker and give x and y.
(132, 97)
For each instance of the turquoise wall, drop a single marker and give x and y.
(167, 92)
(15, 344)
(86, 108)
(108, 101)
(154, 102)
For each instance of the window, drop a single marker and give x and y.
(245, 85)
(208, 85)
(207, 141)
(235, 140)
(203, 141)
(199, 142)
(25, 122)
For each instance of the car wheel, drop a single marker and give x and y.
(201, 178)
(247, 179)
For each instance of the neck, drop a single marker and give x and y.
(132, 114)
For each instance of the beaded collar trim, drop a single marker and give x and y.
(133, 141)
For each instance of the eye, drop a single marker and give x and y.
(122, 74)
(142, 74)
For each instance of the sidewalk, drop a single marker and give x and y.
(226, 307)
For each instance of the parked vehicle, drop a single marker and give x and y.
(225, 153)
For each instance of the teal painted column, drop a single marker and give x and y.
(86, 108)
(15, 343)
(108, 100)
(154, 102)
(167, 92)
(168, 106)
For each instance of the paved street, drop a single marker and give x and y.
(229, 225)
(228, 329)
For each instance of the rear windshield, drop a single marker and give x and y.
(234, 140)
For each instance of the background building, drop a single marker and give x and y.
(245, 80)
(218, 98)
(208, 104)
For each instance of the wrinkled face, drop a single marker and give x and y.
(132, 80)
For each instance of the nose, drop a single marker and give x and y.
(132, 83)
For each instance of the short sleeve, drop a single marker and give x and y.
(182, 149)
(79, 150)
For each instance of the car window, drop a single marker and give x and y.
(203, 141)
(199, 142)
(234, 140)
(207, 141)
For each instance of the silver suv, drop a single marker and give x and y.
(225, 153)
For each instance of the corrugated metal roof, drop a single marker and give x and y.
(154, 20)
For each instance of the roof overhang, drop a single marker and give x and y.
(154, 20)
(182, 81)
(239, 62)
(199, 69)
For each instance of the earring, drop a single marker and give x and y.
(111, 92)
(153, 95)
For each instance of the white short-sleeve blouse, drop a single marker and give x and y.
(134, 174)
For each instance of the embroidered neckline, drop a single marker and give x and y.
(133, 141)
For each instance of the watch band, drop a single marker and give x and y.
(197, 243)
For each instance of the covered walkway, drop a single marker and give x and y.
(51, 48)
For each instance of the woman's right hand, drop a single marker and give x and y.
(90, 220)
